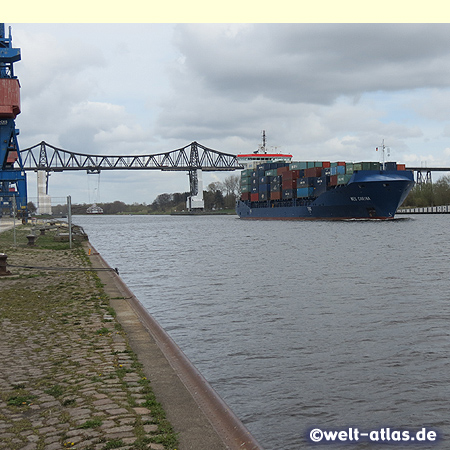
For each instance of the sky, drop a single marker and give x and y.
(321, 91)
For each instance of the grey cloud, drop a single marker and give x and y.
(315, 63)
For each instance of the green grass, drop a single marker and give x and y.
(42, 242)
(93, 423)
(115, 443)
(20, 400)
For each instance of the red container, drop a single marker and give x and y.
(254, 197)
(326, 164)
(333, 180)
(281, 170)
(401, 166)
(12, 157)
(275, 195)
(289, 184)
(245, 196)
(9, 97)
(341, 163)
(291, 175)
(313, 172)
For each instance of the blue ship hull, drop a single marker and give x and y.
(369, 194)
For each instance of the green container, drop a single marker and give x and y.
(333, 164)
(245, 188)
(298, 165)
(271, 173)
(349, 168)
(357, 166)
(310, 164)
(343, 179)
(369, 165)
(318, 164)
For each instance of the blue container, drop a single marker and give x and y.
(288, 193)
(264, 188)
(390, 166)
(254, 190)
(337, 170)
(309, 181)
(275, 187)
(276, 180)
(305, 192)
(319, 181)
(326, 171)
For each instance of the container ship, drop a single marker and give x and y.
(275, 187)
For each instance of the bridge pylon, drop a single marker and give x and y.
(195, 200)
(423, 179)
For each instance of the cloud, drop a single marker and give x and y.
(313, 63)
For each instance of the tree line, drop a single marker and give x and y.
(429, 194)
(217, 196)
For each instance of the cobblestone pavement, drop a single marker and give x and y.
(68, 377)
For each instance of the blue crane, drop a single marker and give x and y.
(13, 182)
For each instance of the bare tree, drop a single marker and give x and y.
(232, 185)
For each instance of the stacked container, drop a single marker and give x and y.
(301, 179)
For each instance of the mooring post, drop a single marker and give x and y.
(3, 269)
(31, 240)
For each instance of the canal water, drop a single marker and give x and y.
(300, 325)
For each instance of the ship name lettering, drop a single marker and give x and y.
(359, 199)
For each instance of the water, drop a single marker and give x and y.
(300, 325)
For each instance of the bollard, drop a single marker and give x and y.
(3, 269)
(31, 240)
(42, 231)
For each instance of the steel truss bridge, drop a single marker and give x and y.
(194, 156)
(47, 158)
(423, 174)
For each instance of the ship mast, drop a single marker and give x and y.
(262, 148)
(383, 149)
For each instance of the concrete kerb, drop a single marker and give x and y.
(195, 410)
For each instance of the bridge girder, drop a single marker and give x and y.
(46, 157)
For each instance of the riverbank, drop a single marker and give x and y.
(80, 370)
